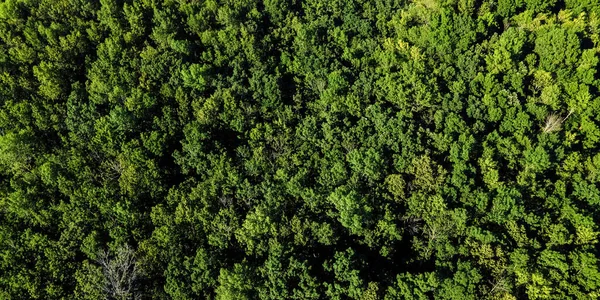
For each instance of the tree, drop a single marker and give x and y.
(121, 273)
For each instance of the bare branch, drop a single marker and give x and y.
(120, 272)
(554, 122)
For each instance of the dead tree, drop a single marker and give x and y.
(121, 271)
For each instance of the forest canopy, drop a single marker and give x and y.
(287, 149)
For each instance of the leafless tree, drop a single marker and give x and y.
(121, 271)
(554, 122)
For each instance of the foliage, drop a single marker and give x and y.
(360, 149)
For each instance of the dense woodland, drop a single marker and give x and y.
(287, 149)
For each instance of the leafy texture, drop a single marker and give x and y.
(360, 149)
